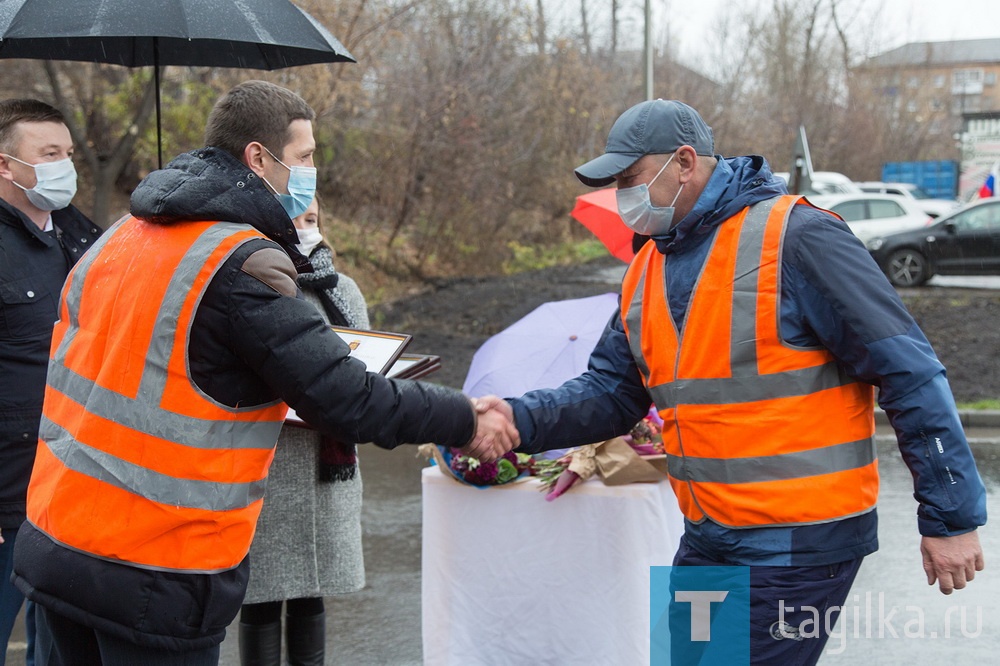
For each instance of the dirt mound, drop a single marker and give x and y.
(963, 326)
(453, 318)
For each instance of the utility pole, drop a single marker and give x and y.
(648, 50)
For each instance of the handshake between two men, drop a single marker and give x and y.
(496, 433)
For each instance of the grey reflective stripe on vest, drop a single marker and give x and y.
(147, 417)
(144, 414)
(730, 390)
(827, 460)
(634, 322)
(74, 286)
(152, 485)
(743, 335)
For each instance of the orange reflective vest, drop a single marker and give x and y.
(135, 463)
(757, 432)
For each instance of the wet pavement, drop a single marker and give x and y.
(381, 624)
(892, 616)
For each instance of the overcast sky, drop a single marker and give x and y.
(902, 21)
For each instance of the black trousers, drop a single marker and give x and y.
(60, 641)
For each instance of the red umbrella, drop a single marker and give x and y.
(598, 211)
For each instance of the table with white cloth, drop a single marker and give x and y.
(509, 578)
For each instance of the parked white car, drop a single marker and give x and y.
(874, 215)
(930, 205)
(826, 182)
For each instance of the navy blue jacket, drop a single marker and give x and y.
(33, 267)
(832, 294)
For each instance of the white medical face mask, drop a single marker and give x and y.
(309, 239)
(638, 212)
(55, 183)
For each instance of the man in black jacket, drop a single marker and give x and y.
(41, 237)
(248, 341)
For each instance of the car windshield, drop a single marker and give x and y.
(824, 187)
(919, 193)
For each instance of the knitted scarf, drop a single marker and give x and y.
(337, 460)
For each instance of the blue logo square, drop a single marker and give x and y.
(699, 616)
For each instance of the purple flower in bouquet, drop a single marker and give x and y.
(459, 463)
(483, 474)
(473, 471)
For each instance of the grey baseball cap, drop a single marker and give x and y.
(648, 128)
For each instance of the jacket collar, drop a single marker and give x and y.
(210, 184)
(736, 183)
(14, 217)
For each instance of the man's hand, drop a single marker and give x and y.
(952, 561)
(496, 433)
(486, 403)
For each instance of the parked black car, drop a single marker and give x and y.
(966, 242)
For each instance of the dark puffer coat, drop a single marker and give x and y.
(252, 341)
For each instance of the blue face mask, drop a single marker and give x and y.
(301, 188)
(639, 213)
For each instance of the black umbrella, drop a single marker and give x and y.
(248, 34)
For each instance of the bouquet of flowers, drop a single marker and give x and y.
(617, 461)
(555, 475)
(478, 473)
(606, 458)
(646, 437)
(475, 472)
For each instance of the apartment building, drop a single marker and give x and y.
(940, 82)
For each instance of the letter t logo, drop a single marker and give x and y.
(701, 607)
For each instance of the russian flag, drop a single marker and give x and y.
(990, 187)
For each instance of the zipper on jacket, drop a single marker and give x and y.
(938, 472)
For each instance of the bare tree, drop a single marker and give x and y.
(540, 37)
(584, 25)
(614, 27)
(106, 143)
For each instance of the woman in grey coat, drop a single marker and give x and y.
(308, 540)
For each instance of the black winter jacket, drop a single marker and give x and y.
(252, 341)
(33, 267)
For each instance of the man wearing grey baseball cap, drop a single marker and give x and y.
(657, 127)
(758, 325)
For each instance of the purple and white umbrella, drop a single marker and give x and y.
(543, 349)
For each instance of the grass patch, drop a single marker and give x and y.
(535, 257)
(989, 404)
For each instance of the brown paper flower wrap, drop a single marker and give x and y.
(618, 464)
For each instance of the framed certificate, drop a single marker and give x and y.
(378, 350)
(414, 366)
